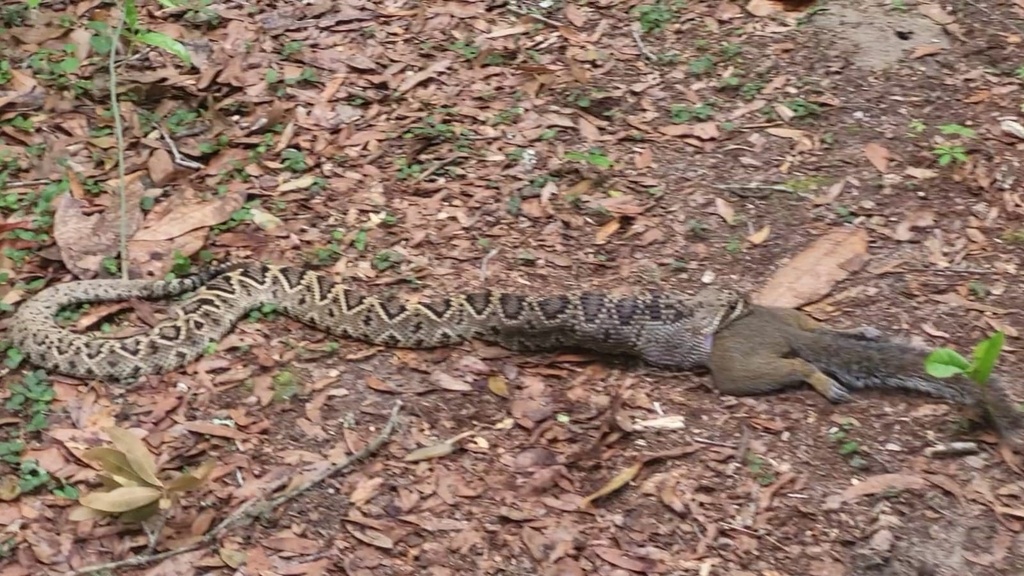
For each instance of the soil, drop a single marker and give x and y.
(483, 190)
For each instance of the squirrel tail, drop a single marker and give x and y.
(860, 364)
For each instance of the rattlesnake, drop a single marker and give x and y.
(666, 329)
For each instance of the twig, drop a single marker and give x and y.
(436, 166)
(115, 109)
(713, 442)
(640, 44)
(178, 158)
(752, 533)
(483, 264)
(537, 17)
(20, 183)
(253, 508)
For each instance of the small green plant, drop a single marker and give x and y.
(734, 245)
(760, 469)
(697, 228)
(264, 311)
(294, 160)
(286, 386)
(681, 114)
(32, 396)
(594, 156)
(386, 259)
(1013, 236)
(946, 154)
(655, 17)
(465, 49)
(702, 65)
(847, 447)
(291, 48)
(957, 130)
(802, 108)
(946, 362)
(916, 127)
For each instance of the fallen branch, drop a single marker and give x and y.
(253, 508)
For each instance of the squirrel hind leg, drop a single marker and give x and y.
(761, 375)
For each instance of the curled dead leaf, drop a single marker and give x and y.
(761, 235)
(725, 210)
(620, 480)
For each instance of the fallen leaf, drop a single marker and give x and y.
(878, 155)
(620, 480)
(875, 485)
(811, 274)
(918, 219)
(725, 210)
(760, 236)
(936, 13)
(606, 230)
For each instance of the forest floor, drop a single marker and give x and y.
(427, 148)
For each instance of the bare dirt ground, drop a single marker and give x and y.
(423, 148)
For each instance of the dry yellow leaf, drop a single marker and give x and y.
(760, 236)
(620, 480)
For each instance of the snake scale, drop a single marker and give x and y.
(666, 329)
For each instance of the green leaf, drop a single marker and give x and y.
(986, 353)
(168, 3)
(945, 362)
(131, 14)
(165, 42)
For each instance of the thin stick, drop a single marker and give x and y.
(640, 44)
(178, 158)
(537, 17)
(115, 109)
(483, 264)
(253, 508)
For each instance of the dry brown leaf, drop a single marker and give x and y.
(498, 386)
(618, 558)
(878, 155)
(448, 382)
(760, 236)
(433, 71)
(677, 130)
(589, 132)
(725, 210)
(430, 452)
(605, 231)
(643, 159)
(706, 130)
(620, 480)
(575, 15)
(811, 274)
(830, 195)
(875, 485)
(920, 173)
(925, 50)
(186, 218)
(85, 241)
(918, 219)
(936, 13)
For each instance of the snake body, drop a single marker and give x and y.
(666, 329)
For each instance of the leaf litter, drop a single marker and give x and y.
(419, 150)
